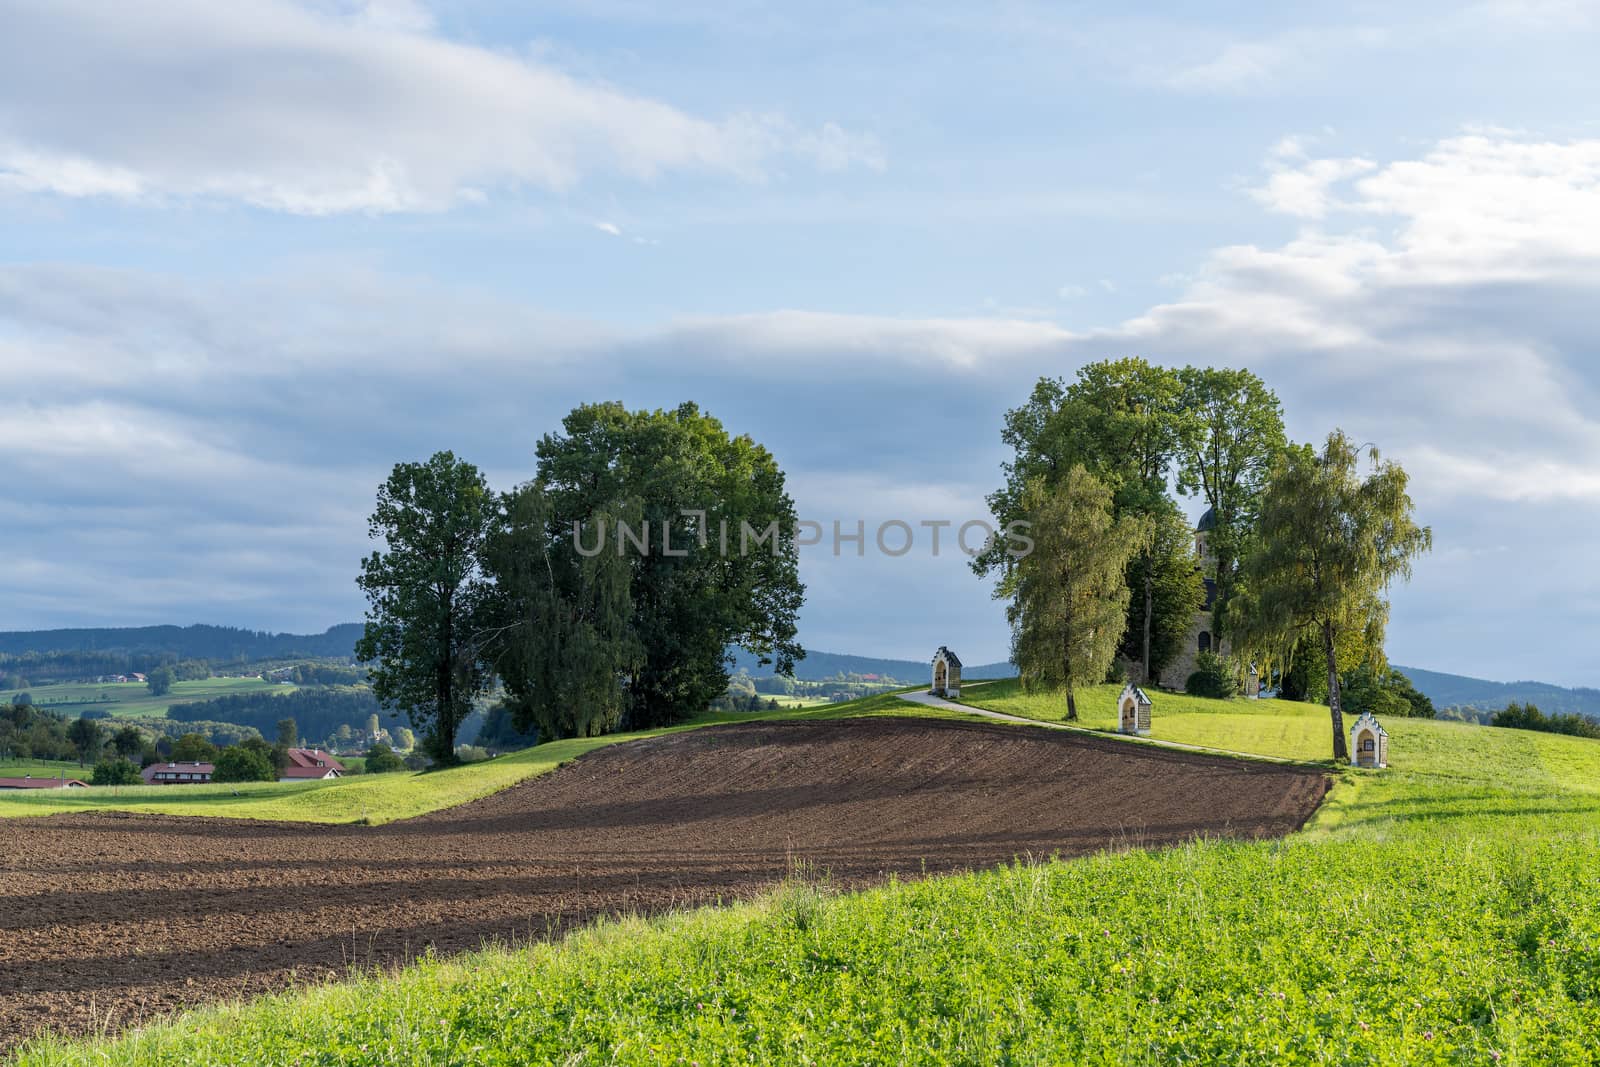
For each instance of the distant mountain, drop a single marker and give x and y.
(820, 666)
(1454, 690)
(186, 642)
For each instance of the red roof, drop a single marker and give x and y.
(42, 783)
(311, 759)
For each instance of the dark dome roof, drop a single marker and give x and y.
(1208, 521)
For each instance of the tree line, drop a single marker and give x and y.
(473, 585)
(1305, 543)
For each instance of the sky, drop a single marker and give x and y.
(253, 254)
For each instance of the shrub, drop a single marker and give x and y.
(116, 771)
(382, 760)
(1213, 677)
(237, 764)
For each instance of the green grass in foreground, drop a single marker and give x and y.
(133, 699)
(1447, 911)
(375, 798)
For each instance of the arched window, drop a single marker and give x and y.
(1205, 641)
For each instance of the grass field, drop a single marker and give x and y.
(43, 768)
(1444, 911)
(133, 699)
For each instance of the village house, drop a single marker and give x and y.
(177, 773)
(309, 764)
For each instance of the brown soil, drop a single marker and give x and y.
(107, 919)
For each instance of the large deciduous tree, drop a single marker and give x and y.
(715, 564)
(1232, 435)
(1123, 421)
(424, 593)
(564, 641)
(1069, 596)
(1330, 545)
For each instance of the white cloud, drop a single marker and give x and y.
(1240, 66)
(295, 109)
(609, 227)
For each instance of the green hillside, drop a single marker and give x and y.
(133, 699)
(1444, 911)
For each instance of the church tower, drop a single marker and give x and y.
(1200, 637)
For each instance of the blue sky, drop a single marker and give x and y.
(251, 254)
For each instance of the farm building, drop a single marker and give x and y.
(177, 773)
(28, 781)
(1369, 742)
(1133, 712)
(946, 674)
(310, 764)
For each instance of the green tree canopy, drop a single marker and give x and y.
(1330, 545)
(86, 736)
(382, 760)
(116, 771)
(720, 567)
(425, 592)
(1069, 596)
(1232, 435)
(239, 764)
(159, 681)
(193, 748)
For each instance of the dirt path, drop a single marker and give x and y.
(106, 919)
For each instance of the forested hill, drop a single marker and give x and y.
(216, 643)
(1454, 690)
(820, 666)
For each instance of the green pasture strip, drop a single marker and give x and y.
(133, 699)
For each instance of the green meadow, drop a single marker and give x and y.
(1444, 911)
(133, 699)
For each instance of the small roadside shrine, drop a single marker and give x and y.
(946, 674)
(1133, 711)
(1369, 742)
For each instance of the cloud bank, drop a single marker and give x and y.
(315, 111)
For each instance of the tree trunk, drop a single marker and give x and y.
(1072, 706)
(1341, 752)
(1149, 607)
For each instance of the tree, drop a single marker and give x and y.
(128, 742)
(1167, 593)
(1070, 594)
(566, 645)
(718, 566)
(424, 595)
(1122, 421)
(1330, 545)
(193, 748)
(288, 733)
(382, 760)
(159, 681)
(404, 739)
(86, 736)
(1213, 677)
(1232, 435)
(116, 771)
(239, 764)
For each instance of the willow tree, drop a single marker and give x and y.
(560, 633)
(1331, 544)
(1069, 595)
